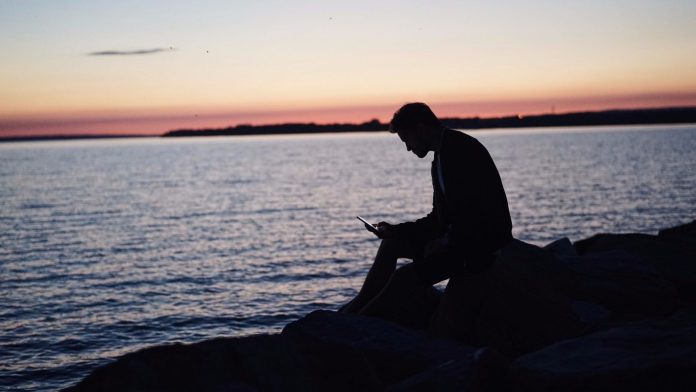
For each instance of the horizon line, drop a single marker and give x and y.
(68, 136)
(158, 120)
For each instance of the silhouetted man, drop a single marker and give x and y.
(464, 232)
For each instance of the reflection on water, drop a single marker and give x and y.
(112, 245)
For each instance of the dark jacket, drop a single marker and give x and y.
(473, 213)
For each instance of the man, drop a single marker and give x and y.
(463, 233)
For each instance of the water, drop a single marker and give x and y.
(107, 246)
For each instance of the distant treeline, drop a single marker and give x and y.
(608, 117)
(275, 129)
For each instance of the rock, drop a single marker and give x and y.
(517, 306)
(672, 259)
(648, 356)
(534, 296)
(489, 372)
(591, 313)
(684, 235)
(627, 287)
(213, 365)
(389, 353)
(561, 247)
(322, 351)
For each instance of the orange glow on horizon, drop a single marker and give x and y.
(156, 122)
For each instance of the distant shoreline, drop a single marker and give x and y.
(676, 115)
(653, 116)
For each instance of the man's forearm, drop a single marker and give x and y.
(426, 226)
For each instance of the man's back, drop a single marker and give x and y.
(474, 204)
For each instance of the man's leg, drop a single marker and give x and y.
(405, 299)
(382, 269)
(409, 298)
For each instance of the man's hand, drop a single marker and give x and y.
(384, 230)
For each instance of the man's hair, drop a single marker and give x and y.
(410, 115)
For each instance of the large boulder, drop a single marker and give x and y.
(532, 297)
(322, 351)
(389, 355)
(684, 235)
(625, 286)
(658, 355)
(669, 254)
(212, 365)
(517, 306)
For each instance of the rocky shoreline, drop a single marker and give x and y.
(611, 312)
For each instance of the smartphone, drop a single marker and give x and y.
(369, 226)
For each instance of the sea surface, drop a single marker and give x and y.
(108, 246)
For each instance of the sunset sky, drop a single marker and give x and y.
(145, 67)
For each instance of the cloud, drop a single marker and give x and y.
(130, 52)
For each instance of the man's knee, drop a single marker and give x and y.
(407, 276)
(395, 247)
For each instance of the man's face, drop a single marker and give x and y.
(415, 142)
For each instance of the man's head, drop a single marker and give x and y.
(418, 127)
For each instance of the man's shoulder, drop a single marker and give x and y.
(461, 140)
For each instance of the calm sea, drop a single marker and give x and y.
(108, 246)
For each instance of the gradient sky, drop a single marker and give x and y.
(150, 66)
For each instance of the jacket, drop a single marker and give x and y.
(472, 213)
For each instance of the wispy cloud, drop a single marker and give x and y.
(130, 52)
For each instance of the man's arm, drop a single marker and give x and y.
(426, 226)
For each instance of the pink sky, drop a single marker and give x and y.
(156, 122)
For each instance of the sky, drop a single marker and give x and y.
(146, 67)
